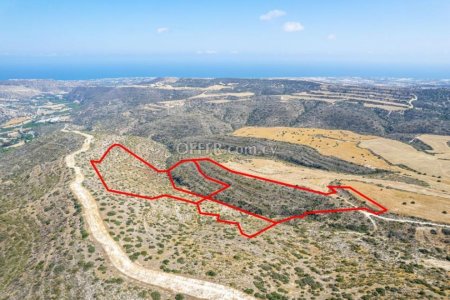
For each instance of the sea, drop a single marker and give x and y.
(85, 71)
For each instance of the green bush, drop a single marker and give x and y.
(91, 249)
(155, 295)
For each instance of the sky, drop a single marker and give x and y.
(251, 32)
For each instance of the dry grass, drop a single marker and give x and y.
(381, 99)
(402, 154)
(311, 178)
(211, 95)
(430, 201)
(249, 224)
(339, 143)
(407, 203)
(385, 107)
(438, 143)
(16, 121)
(171, 236)
(219, 101)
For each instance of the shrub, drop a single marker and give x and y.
(155, 295)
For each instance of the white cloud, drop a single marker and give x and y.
(276, 13)
(331, 37)
(293, 26)
(160, 30)
(209, 52)
(234, 52)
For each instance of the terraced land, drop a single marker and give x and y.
(311, 132)
(383, 98)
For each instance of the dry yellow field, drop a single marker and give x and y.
(400, 153)
(219, 101)
(417, 205)
(16, 121)
(320, 179)
(285, 98)
(167, 86)
(385, 107)
(429, 202)
(438, 143)
(240, 94)
(383, 101)
(19, 144)
(339, 143)
(310, 178)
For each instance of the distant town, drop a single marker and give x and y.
(24, 109)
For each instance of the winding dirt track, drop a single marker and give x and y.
(179, 284)
(410, 221)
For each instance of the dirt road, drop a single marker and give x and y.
(179, 284)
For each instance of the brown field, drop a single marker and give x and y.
(427, 202)
(285, 98)
(16, 121)
(19, 144)
(438, 143)
(240, 94)
(407, 203)
(216, 87)
(381, 100)
(219, 101)
(319, 179)
(314, 179)
(402, 154)
(385, 107)
(339, 143)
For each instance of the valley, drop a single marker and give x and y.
(387, 139)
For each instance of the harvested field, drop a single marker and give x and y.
(219, 101)
(439, 143)
(320, 179)
(402, 154)
(240, 94)
(310, 178)
(385, 107)
(284, 151)
(338, 143)
(16, 122)
(408, 203)
(384, 99)
(428, 202)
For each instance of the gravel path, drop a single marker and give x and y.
(178, 284)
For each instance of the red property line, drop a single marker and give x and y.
(332, 190)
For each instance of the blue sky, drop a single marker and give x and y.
(252, 31)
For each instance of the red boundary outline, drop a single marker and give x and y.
(332, 190)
